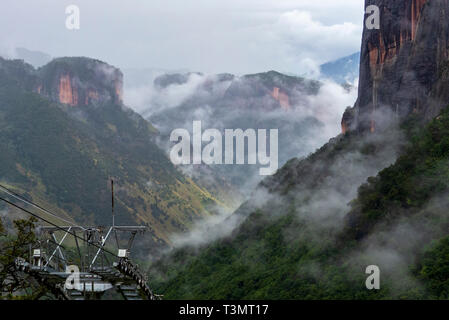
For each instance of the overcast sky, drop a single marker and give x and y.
(237, 36)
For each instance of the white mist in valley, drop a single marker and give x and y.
(174, 100)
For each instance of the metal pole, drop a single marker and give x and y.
(100, 249)
(79, 252)
(58, 247)
(112, 195)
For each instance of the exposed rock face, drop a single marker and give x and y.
(80, 81)
(166, 80)
(348, 120)
(269, 91)
(281, 97)
(402, 64)
(66, 93)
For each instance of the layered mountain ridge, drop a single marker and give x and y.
(296, 106)
(403, 66)
(342, 70)
(65, 133)
(375, 195)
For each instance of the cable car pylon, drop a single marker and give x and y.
(83, 263)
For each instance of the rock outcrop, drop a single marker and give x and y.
(80, 81)
(402, 64)
(281, 97)
(269, 91)
(348, 120)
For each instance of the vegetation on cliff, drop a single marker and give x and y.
(282, 255)
(63, 157)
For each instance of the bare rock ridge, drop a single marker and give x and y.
(403, 64)
(280, 91)
(281, 97)
(80, 81)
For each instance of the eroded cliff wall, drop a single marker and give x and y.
(80, 81)
(402, 64)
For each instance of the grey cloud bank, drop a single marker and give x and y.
(210, 36)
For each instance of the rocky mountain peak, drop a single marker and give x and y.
(402, 64)
(80, 81)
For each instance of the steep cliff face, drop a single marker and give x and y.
(80, 81)
(281, 97)
(65, 156)
(402, 64)
(398, 213)
(347, 122)
(66, 93)
(283, 91)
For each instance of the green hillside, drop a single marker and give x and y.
(281, 252)
(63, 157)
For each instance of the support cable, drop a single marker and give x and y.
(23, 199)
(58, 227)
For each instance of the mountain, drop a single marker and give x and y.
(285, 91)
(296, 106)
(404, 67)
(35, 58)
(375, 195)
(343, 70)
(165, 80)
(65, 132)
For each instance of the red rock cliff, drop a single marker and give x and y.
(384, 46)
(67, 94)
(81, 81)
(281, 97)
(401, 62)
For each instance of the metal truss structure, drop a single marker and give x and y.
(78, 263)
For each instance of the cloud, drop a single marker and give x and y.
(303, 38)
(209, 36)
(394, 245)
(311, 121)
(147, 99)
(207, 230)
(222, 224)
(329, 105)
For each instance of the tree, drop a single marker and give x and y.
(13, 284)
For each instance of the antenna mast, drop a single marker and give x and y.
(112, 194)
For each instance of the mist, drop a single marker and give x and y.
(313, 118)
(223, 36)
